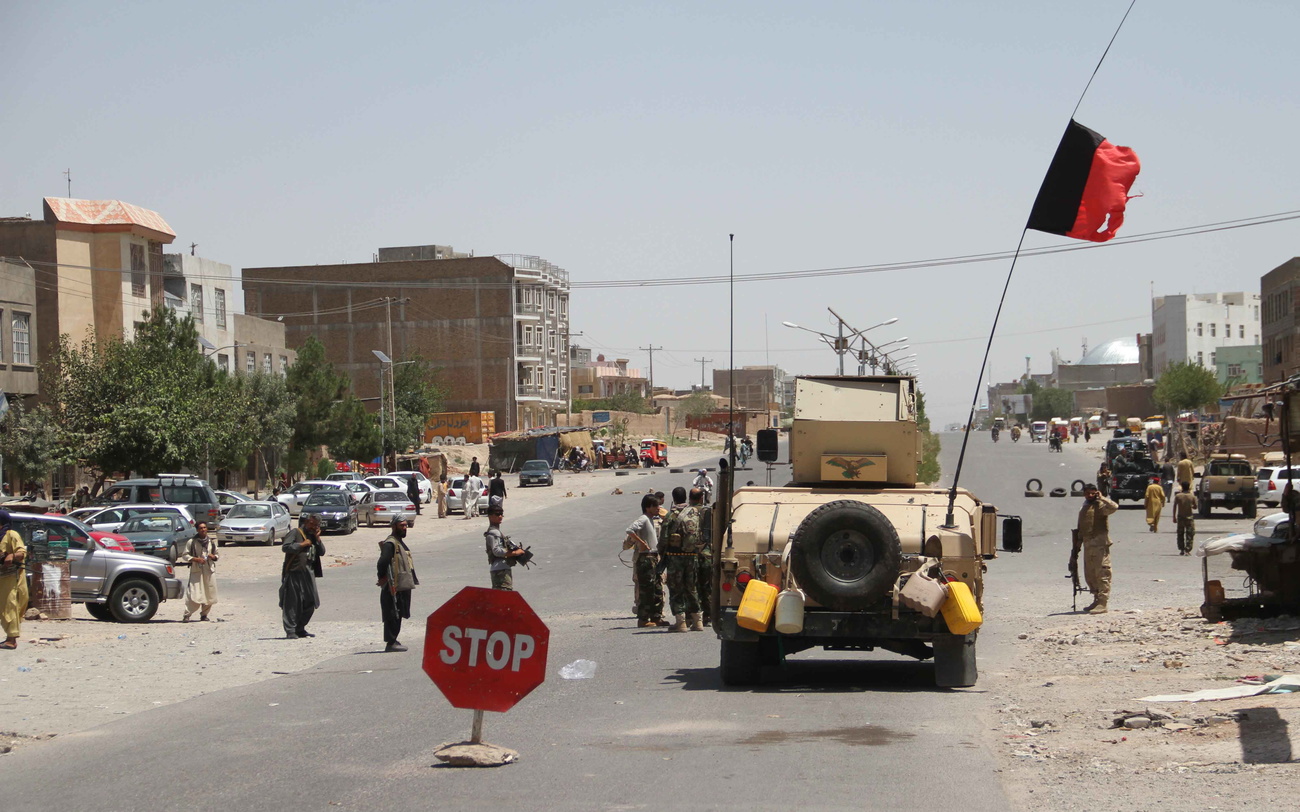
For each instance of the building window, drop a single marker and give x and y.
(284, 365)
(553, 381)
(1199, 329)
(1200, 358)
(1256, 312)
(266, 363)
(196, 303)
(1241, 331)
(584, 389)
(137, 270)
(1212, 329)
(219, 305)
(550, 340)
(550, 304)
(564, 307)
(528, 335)
(1213, 357)
(21, 343)
(223, 361)
(251, 365)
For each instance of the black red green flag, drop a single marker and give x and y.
(1086, 188)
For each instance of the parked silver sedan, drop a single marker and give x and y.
(381, 507)
(254, 523)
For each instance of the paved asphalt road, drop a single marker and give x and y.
(653, 729)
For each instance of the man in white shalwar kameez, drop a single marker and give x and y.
(201, 591)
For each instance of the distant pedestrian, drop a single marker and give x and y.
(1087, 434)
(643, 540)
(1185, 518)
(201, 591)
(1155, 502)
(299, 599)
(1167, 480)
(470, 494)
(500, 551)
(13, 582)
(705, 483)
(704, 560)
(396, 572)
(413, 492)
(497, 490)
(441, 496)
(1094, 536)
(1186, 472)
(473, 466)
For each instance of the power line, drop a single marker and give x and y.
(702, 362)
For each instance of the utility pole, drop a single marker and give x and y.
(392, 383)
(702, 362)
(68, 173)
(651, 349)
(568, 377)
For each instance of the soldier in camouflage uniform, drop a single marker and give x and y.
(704, 560)
(643, 540)
(679, 544)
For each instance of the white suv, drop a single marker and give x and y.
(1270, 482)
(421, 481)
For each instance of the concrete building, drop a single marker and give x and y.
(19, 354)
(1280, 332)
(1240, 365)
(1117, 362)
(99, 266)
(1193, 327)
(498, 327)
(758, 388)
(605, 379)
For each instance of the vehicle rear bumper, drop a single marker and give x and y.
(828, 628)
(172, 589)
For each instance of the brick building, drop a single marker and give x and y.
(497, 326)
(1279, 294)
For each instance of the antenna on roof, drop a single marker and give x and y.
(193, 245)
(68, 174)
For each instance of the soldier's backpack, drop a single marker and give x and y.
(683, 527)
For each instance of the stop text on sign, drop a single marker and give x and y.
(498, 648)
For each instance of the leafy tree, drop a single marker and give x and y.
(354, 431)
(418, 395)
(929, 469)
(697, 405)
(143, 405)
(29, 442)
(622, 402)
(1049, 403)
(315, 386)
(1186, 385)
(260, 410)
(324, 467)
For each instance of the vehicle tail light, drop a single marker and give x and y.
(410, 507)
(744, 578)
(379, 508)
(726, 586)
(1272, 486)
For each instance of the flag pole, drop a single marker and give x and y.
(950, 517)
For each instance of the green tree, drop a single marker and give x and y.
(354, 432)
(1186, 385)
(316, 388)
(697, 405)
(418, 395)
(1049, 403)
(260, 409)
(143, 405)
(29, 442)
(622, 402)
(929, 469)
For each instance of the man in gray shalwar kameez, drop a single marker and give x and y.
(298, 597)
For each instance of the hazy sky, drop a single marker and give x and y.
(626, 140)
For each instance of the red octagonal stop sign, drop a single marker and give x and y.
(485, 649)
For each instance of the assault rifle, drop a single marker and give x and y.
(1075, 547)
(523, 560)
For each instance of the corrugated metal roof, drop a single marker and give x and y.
(106, 213)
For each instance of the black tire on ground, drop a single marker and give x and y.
(99, 611)
(1249, 510)
(133, 601)
(740, 663)
(1077, 485)
(370, 519)
(954, 661)
(1034, 485)
(846, 555)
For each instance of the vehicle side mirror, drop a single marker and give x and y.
(766, 450)
(1012, 541)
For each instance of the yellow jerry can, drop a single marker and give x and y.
(960, 611)
(756, 606)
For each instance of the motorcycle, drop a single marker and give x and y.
(1015, 435)
(995, 435)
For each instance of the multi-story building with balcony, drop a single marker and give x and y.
(498, 327)
(1193, 327)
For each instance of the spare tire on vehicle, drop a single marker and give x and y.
(846, 555)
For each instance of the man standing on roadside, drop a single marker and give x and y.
(469, 495)
(441, 495)
(1154, 498)
(680, 544)
(497, 490)
(396, 571)
(1094, 536)
(473, 466)
(299, 599)
(644, 543)
(1185, 471)
(201, 591)
(499, 551)
(13, 582)
(1185, 518)
(413, 492)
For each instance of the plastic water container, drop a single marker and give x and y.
(755, 611)
(789, 611)
(960, 611)
(923, 594)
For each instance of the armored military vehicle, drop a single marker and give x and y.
(845, 537)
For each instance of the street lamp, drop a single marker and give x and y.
(209, 349)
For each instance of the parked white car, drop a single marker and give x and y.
(385, 482)
(421, 481)
(343, 476)
(1271, 482)
(109, 520)
(295, 496)
(254, 523)
(455, 494)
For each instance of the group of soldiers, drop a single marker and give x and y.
(673, 542)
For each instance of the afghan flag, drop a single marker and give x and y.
(1086, 187)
